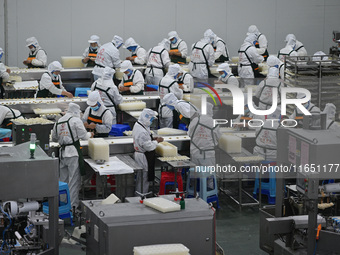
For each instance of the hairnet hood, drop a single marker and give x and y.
(320, 55)
(273, 72)
(108, 73)
(174, 69)
(170, 99)
(172, 34)
(253, 30)
(205, 39)
(94, 39)
(130, 42)
(300, 95)
(209, 33)
(223, 67)
(74, 109)
(32, 41)
(290, 36)
(54, 66)
(146, 116)
(117, 40)
(330, 110)
(291, 42)
(165, 43)
(272, 61)
(93, 98)
(126, 64)
(250, 38)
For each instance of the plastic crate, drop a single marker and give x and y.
(81, 92)
(118, 129)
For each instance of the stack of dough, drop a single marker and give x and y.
(72, 62)
(32, 121)
(161, 249)
(171, 131)
(132, 105)
(230, 143)
(166, 149)
(99, 149)
(235, 59)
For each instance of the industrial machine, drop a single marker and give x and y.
(116, 229)
(28, 177)
(306, 220)
(334, 50)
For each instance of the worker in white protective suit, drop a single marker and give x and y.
(202, 57)
(330, 110)
(67, 131)
(266, 136)
(264, 91)
(288, 50)
(220, 47)
(178, 48)
(97, 118)
(273, 61)
(204, 138)
(168, 84)
(226, 76)
(108, 91)
(249, 60)
(4, 74)
(185, 81)
(90, 53)
(298, 115)
(298, 46)
(108, 55)
(261, 43)
(186, 110)
(145, 145)
(6, 115)
(37, 57)
(158, 61)
(138, 53)
(133, 80)
(50, 84)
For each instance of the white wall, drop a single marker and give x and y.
(63, 27)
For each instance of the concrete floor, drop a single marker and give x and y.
(237, 231)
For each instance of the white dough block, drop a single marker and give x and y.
(99, 149)
(166, 149)
(47, 111)
(162, 205)
(15, 78)
(72, 62)
(132, 105)
(161, 249)
(234, 59)
(171, 131)
(230, 143)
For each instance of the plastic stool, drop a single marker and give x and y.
(81, 92)
(267, 187)
(64, 203)
(168, 178)
(206, 193)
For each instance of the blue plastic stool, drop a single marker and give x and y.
(81, 92)
(206, 193)
(267, 188)
(64, 203)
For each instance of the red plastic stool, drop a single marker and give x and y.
(110, 180)
(168, 178)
